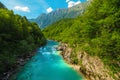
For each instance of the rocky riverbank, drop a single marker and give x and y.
(91, 67)
(19, 63)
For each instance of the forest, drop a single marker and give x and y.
(18, 38)
(96, 31)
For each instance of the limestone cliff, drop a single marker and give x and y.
(91, 67)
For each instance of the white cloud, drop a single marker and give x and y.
(67, 0)
(24, 9)
(72, 3)
(49, 10)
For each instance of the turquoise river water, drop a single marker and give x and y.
(47, 64)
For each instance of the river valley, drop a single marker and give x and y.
(47, 64)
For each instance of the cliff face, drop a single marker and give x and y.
(91, 67)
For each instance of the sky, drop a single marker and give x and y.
(33, 8)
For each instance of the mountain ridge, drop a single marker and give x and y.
(2, 5)
(46, 19)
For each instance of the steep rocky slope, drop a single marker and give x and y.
(46, 19)
(91, 67)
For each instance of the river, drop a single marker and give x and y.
(47, 64)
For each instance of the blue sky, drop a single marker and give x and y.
(33, 8)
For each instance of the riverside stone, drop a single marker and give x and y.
(91, 67)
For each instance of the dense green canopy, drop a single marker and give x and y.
(18, 38)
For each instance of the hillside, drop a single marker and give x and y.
(2, 5)
(96, 32)
(46, 19)
(18, 39)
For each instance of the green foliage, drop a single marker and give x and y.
(18, 38)
(97, 32)
(74, 59)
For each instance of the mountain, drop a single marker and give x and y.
(96, 32)
(46, 19)
(2, 5)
